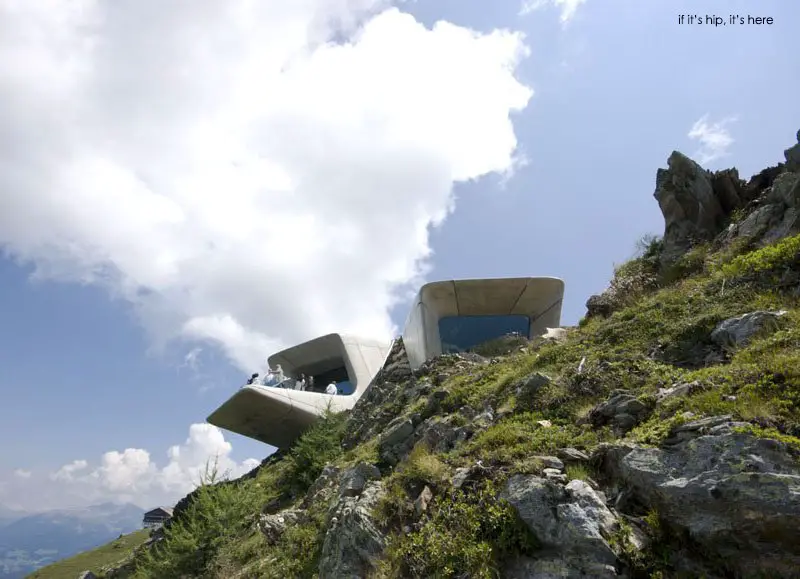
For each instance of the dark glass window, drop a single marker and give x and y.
(345, 387)
(461, 333)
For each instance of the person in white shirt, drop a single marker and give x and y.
(331, 389)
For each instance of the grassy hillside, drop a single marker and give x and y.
(656, 338)
(106, 556)
(645, 442)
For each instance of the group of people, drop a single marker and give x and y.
(276, 378)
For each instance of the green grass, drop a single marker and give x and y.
(105, 556)
(657, 335)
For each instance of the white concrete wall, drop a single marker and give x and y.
(277, 416)
(538, 298)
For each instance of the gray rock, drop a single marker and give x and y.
(273, 526)
(737, 495)
(572, 455)
(87, 575)
(738, 331)
(599, 305)
(570, 520)
(423, 500)
(792, 155)
(556, 568)
(396, 441)
(681, 389)
(550, 462)
(461, 476)
(355, 479)
(622, 411)
(322, 489)
(554, 474)
(353, 544)
(691, 210)
(438, 435)
(530, 385)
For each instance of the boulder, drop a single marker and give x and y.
(737, 332)
(571, 521)
(355, 479)
(622, 411)
(736, 495)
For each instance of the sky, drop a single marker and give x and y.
(186, 188)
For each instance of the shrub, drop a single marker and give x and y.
(466, 534)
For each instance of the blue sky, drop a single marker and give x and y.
(121, 329)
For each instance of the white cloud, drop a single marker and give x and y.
(714, 138)
(231, 171)
(130, 475)
(568, 7)
(67, 472)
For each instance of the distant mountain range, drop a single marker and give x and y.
(32, 540)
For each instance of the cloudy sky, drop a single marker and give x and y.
(186, 187)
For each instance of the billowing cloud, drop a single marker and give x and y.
(249, 174)
(714, 138)
(568, 8)
(130, 475)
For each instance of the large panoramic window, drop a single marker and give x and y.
(462, 333)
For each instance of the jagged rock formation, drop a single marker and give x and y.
(657, 439)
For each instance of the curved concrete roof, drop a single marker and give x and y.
(277, 416)
(538, 298)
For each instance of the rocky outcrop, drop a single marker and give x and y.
(692, 211)
(622, 411)
(792, 155)
(737, 332)
(571, 522)
(353, 543)
(735, 495)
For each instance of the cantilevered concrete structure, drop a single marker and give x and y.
(450, 316)
(277, 416)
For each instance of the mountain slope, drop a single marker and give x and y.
(659, 438)
(38, 539)
(95, 560)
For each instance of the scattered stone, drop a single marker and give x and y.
(544, 423)
(682, 389)
(738, 331)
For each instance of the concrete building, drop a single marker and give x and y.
(157, 517)
(277, 416)
(456, 315)
(446, 316)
